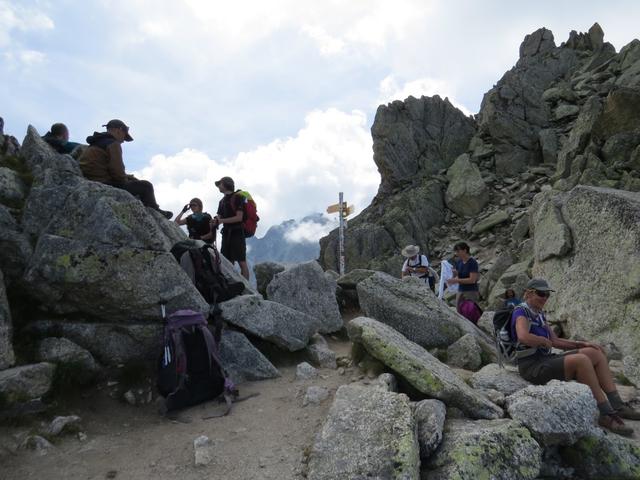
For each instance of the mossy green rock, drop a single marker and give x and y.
(419, 368)
(604, 457)
(24, 383)
(368, 433)
(485, 450)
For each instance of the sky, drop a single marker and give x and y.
(278, 94)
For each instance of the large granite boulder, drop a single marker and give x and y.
(603, 457)
(413, 310)
(7, 357)
(242, 361)
(492, 377)
(15, 249)
(419, 368)
(24, 383)
(274, 322)
(467, 194)
(497, 449)
(600, 221)
(264, 273)
(368, 433)
(417, 137)
(77, 363)
(558, 413)
(304, 287)
(12, 187)
(430, 416)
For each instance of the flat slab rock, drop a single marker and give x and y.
(369, 433)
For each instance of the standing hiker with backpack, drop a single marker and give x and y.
(198, 223)
(584, 362)
(230, 216)
(417, 265)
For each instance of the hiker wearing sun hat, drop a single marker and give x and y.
(417, 265)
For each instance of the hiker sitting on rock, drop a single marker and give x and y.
(584, 362)
(102, 162)
(198, 223)
(417, 265)
(510, 298)
(58, 139)
(230, 215)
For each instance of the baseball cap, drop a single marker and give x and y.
(539, 284)
(115, 123)
(227, 182)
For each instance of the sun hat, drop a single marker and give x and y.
(539, 284)
(227, 182)
(410, 251)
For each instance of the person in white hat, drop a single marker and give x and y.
(417, 265)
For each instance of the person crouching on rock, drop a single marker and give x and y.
(198, 223)
(584, 362)
(417, 265)
(102, 162)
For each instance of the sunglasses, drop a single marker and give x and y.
(542, 294)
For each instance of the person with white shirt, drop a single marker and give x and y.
(417, 265)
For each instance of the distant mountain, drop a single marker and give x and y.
(290, 242)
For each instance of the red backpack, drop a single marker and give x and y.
(250, 218)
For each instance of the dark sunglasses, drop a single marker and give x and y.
(543, 294)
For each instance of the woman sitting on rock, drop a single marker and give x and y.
(584, 362)
(197, 223)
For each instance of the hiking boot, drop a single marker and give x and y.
(625, 411)
(167, 214)
(614, 423)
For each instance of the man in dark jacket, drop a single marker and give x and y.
(102, 162)
(230, 215)
(58, 138)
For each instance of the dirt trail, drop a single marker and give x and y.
(263, 438)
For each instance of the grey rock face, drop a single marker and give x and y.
(305, 371)
(558, 413)
(553, 237)
(7, 358)
(15, 249)
(491, 221)
(351, 279)
(305, 288)
(412, 309)
(110, 344)
(497, 449)
(417, 137)
(419, 368)
(604, 456)
(320, 353)
(12, 188)
(465, 353)
(264, 273)
(600, 220)
(27, 382)
(430, 416)
(467, 193)
(242, 361)
(315, 395)
(493, 377)
(368, 433)
(283, 326)
(67, 354)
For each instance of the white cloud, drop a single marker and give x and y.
(391, 90)
(16, 17)
(309, 232)
(288, 178)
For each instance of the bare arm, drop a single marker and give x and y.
(237, 218)
(471, 279)
(529, 339)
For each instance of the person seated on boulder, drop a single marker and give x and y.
(58, 139)
(102, 162)
(417, 265)
(510, 298)
(198, 223)
(584, 362)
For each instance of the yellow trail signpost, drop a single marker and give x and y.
(344, 211)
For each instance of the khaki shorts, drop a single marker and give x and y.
(539, 369)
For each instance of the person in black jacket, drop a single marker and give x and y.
(58, 138)
(198, 223)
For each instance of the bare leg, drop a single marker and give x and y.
(601, 367)
(244, 269)
(579, 367)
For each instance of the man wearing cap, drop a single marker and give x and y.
(230, 216)
(102, 162)
(417, 265)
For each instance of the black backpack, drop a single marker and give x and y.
(189, 368)
(208, 278)
(505, 344)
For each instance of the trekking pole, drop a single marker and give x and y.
(166, 357)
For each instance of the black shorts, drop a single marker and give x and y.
(234, 246)
(540, 369)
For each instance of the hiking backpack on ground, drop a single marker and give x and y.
(189, 368)
(250, 216)
(506, 345)
(202, 264)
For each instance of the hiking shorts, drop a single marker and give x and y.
(539, 369)
(234, 246)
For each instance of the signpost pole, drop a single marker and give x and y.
(341, 234)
